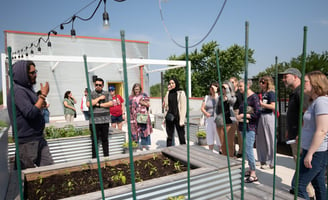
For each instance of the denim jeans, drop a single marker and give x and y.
(250, 139)
(315, 175)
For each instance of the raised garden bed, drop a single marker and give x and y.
(209, 176)
(66, 182)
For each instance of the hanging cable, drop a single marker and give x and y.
(61, 26)
(194, 45)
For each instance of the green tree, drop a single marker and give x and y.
(204, 67)
(155, 90)
(313, 61)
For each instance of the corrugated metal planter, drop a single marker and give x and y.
(78, 148)
(209, 181)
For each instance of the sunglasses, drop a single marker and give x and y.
(100, 85)
(111, 90)
(33, 72)
(262, 82)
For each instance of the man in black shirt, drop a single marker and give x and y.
(292, 79)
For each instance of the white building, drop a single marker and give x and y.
(63, 66)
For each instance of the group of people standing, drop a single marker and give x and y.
(260, 122)
(109, 108)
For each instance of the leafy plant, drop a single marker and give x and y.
(177, 198)
(177, 166)
(155, 156)
(166, 162)
(52, 132)
(126, 144)
(3, 124)
(138, 177)
(40, 180)
(201, 134)
(119, 177)
(148, 165)
(137, 162)
(70, 185)
(153, 170)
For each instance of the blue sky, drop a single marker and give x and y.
(276, 27)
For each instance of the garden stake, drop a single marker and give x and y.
(187, 94)
(13, 105)
(127, 109)
(93, 127)
(300, 114)
(224, 122)
(275, 130)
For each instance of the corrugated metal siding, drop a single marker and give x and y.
(212, 185)
(77, 148)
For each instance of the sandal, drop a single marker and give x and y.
(251, 179)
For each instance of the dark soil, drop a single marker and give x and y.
(86, 181)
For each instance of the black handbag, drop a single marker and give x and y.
(169, 117)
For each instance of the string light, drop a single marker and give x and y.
(105, 17)
(73, 33)
(106, 25)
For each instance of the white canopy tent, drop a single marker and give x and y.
(101, 62)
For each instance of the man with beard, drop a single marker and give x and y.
(101, 101)
(33, 148)
(292, 79)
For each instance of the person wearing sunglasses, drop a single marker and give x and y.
(101, 101)
(265, 132)
(33, 148)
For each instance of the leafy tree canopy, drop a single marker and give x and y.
(204, 67)
(313, 61)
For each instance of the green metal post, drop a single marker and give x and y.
(245, 108)
(127, 109)
(300, 114)
(13, 106)
(187, 94)
(224, 122)
(275, 129)
(93, 127)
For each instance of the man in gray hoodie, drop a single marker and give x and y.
(33, 148)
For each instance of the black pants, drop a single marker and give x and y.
(102, 134)
(170, 132)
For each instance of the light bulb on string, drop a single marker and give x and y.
(73, 35)
(105, 17)
(106, 24)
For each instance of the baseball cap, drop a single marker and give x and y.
(293, 71)
(111, 88)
